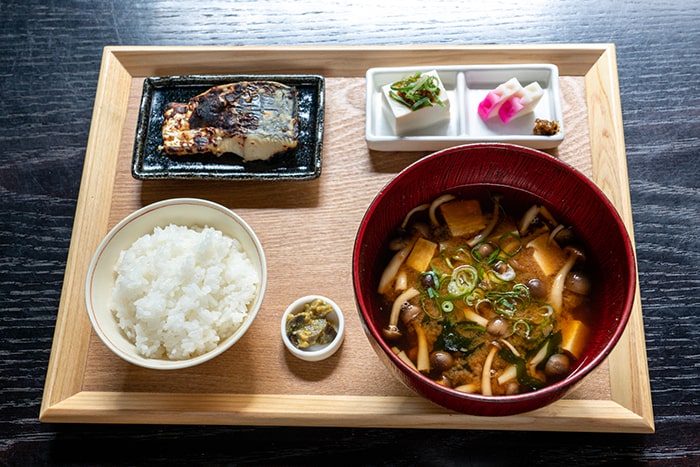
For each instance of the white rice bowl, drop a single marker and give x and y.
(180, 291)
(175, 283)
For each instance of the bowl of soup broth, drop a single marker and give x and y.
(491, 278)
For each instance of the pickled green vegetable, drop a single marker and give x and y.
(311, 326)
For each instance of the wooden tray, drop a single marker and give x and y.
(307, 229)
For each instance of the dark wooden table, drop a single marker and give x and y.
(50, 56)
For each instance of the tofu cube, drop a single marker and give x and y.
(463, 217)
(574, 337)
(548, 255)
(404, 121)
(421, 255)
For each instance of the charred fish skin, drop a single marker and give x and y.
(253, 119)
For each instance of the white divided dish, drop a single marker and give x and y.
(466, 87)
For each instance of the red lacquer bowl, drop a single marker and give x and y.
(533, 176)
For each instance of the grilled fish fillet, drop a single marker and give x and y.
(253, 119)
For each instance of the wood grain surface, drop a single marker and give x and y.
(49, 65)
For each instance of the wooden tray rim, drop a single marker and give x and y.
(630, 408)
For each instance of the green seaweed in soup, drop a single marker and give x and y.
(486, 299)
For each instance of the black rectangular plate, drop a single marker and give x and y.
(300, 163)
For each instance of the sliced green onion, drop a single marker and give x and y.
(464, 279)
(548, 311)
(479, 258)
(461, 254)
(417, 91)
(474, 298)
(397, 97)
(422, 102)
(506, 236)
(523, 291)
(446, 259)
(430, 309)
(521, 323)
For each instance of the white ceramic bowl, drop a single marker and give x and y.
(181, 211)
(317, 352)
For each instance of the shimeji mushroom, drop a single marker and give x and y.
(528, 218)
(537, 358)
(392, 269)
(392, 330)
(486, 371)
(410, 214)
(402, 355)
(411, 316)
(557, 366)
(510, 373)
(536, 212)
(469, 388)
(401, 281)
(434, 205)
(499, 327)
(578, 282)
(441, 360)
(470, 314)
(491, 225)
(405, 246)
(556, 293)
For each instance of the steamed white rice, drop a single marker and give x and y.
(180, 291)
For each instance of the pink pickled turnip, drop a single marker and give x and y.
(510, 100)
(510, 108)
(522, 103)
(489, 106)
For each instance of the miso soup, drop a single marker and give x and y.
(487, 293)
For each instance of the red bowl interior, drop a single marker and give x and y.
(536, 177)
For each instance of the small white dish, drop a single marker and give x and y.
(190, 212)
(315, 352)
(466, 87)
